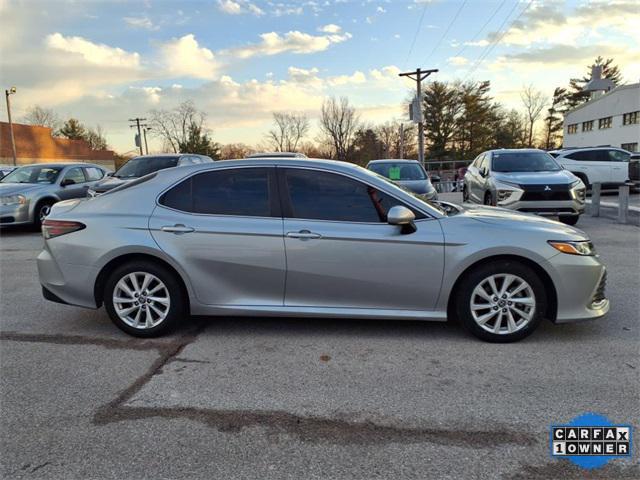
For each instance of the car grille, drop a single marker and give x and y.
(600, 291)
(545, 192)
(547, 210)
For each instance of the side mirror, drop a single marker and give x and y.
(483, 172)
(402, 217)
(67, 181)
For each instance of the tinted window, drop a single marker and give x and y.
(588, 156)
(399, 171)
(618, 156)
(140, 166)
(328, 196)
(242, 191)
(523, 162)
(76, 174)
(93, 173)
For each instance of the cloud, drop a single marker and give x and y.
(294, 41)
(184, 57)
(94, 53)
(458, 61)
(356, 78)
(140, 22)
(479, 43)
(239, 7)
(330, 28)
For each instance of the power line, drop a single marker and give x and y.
(466, 44)
(137, 125)
(498, 38)
(453, 20)
(415, 36)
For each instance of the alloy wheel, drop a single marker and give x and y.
(141, 300)
(503, 304)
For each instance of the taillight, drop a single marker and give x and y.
(55, 228)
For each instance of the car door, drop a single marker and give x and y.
(78, 188)
(619, 162)
(224, 228)
(592, 163)
(341, 252)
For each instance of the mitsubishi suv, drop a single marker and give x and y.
(527, 180)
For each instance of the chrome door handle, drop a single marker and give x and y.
(179, 228)
(303, 234)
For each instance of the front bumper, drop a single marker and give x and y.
(580, 287)
(551, 208)
(15, 214)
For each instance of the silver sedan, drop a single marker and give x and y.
(27, 193)
(312, 238)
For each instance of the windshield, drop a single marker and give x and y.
(523, 162)
(140, 166)
(36, 174)
(398, 171)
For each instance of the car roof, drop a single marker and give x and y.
(512, 150)
(578, 149)
(277, 155)
(63, 164)
(393, 160)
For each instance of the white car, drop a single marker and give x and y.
(605, 165)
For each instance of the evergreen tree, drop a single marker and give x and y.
(577, 95)
(73, 130)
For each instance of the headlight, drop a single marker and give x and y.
(581, 247)
(505, 190)
(578, 191)
(13, 200)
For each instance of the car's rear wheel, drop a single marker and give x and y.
(143, 299)
(501, 302)
(569, 219)
(41, 211)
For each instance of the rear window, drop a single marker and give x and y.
(398, 171)
(140, 166)
(130, 184)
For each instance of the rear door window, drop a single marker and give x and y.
(93, 173)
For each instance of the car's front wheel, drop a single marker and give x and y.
(503, 301)
(569, 219)
(143, 299)
(43, 208)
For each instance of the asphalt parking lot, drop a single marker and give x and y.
(287, 398)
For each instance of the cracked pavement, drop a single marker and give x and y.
(303, 398)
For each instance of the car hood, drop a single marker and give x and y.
(110, 183)
(22, 188)
(509, 219)
(416, 186)
(560, 177)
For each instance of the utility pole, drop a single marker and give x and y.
(137, 124)
(8, 92)
(401, 153)
(145, 129)
(417, 76)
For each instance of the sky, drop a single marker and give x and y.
(104, 62)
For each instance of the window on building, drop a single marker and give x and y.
(630, 147)
(587, 126)
(631, 118)
(604, 123)
(573, 128)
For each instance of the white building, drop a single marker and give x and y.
(611, 119)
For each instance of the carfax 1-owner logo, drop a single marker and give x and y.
(591, 440)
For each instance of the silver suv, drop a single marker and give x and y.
(527, 180)
(290, 237)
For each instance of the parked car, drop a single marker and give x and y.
(6, 170)
(27, 193)
(634, 169)
(407, 173)
(277, 155)
(606, 165)
(527, 180)
(289, 237)
(140, 166)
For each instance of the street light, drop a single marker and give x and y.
(8, 92)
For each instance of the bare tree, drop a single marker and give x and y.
(338, 124)
(174, 126)
(44, 117)
(396, 140)
(96, 139)
(533, 101)
(235, 150)
(288, 130)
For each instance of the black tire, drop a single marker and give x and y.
(476, 277)
(488, 199)
(42, 207)
(177, 306)
(569, 219)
